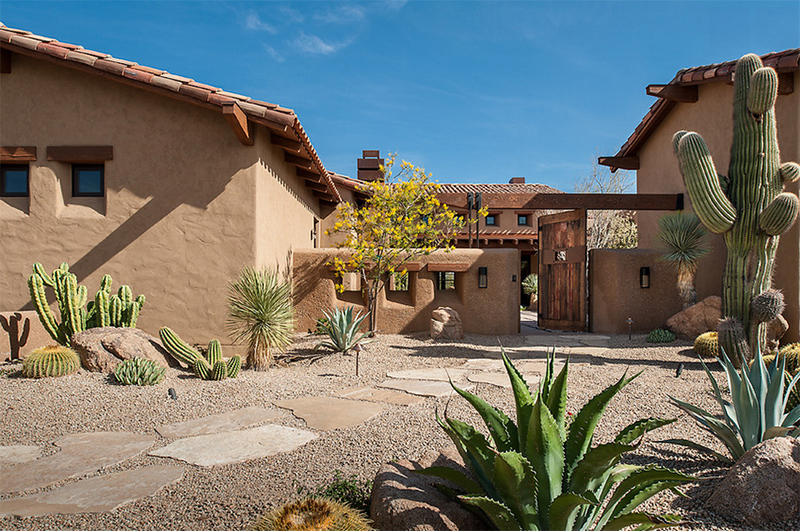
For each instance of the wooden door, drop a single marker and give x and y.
(562, 271)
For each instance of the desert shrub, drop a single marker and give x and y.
(660, 335)
(347, 490)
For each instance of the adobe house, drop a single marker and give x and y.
(701, 99)
(167, 184)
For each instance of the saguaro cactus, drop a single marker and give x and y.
(748, 207)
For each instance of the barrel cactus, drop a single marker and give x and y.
(748, 206)
(55, 360)
(706, 345)
(313, 514)
(210, 366)
(139, 371)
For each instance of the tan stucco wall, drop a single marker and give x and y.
(615, 294)
(712, 117)
(314, 289)
(186, 205)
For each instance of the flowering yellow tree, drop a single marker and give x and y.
(400, 221)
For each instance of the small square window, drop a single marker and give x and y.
(398, 281)
(522, 219)
(88, 180)
(491, 219)
(14, 180)
(446, 280)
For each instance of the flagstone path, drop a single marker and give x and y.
(327, 413)
(18, 453)
(230, 421)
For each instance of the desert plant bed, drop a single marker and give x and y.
(38, 411)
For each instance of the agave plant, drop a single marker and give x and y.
(543, 474)
(261, 314)
(758, 411)
(342, 330)
(681, 236)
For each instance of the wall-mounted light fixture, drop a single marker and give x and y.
(483, 277)
(644, 277)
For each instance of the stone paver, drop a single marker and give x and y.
(501, 379)
(370, 394)
(442, 375)
(18, 453)
(236, 446)
(538, 367)
(587, 351)
(327, 413)
(484, 364)
(95, 495)
(422, 387)
(230, 421)
(81, 453)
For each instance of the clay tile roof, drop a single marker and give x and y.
(491, 188)
(785, 61)
(280, 120)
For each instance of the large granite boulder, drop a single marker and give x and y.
(405, 501)
(102, 349)
(446, 324)
(763, 487)
(697, 319)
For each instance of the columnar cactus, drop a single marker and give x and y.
(748, 207)
(210, 367)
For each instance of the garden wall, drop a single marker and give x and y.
(615, 294)
(490, 310)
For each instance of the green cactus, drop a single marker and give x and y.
(748, 206)
(706, 345)
(318, 514)
(55, 360)
(660, 335)
(139, 371)
(76, 314)
(210, 367)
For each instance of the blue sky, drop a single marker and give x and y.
(473, 91)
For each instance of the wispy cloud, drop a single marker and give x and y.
(342, 14)
(273, 53)
(253, 22)
(314, 45)
(395, 5)
(290, 14)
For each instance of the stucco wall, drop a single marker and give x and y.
(711, 116)
(186, 205)
(493, 310)
(615, 293)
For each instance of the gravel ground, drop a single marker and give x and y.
(232, 496)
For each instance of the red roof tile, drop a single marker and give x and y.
(491, 188)
(71, 55)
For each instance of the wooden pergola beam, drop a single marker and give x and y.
(308, 174)
(679, 93)
(625, 163)
(316, 185)
(238, 121)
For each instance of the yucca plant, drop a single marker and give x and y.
(261, 315)
(758, 411)
(543, 474)
(530, 286)
(343, 330)
(681, 236)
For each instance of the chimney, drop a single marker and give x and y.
(369, 166)
(517, 180)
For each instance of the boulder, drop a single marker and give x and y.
(405, 501)
(775, 330)
(102, 349)
(697, 319)
(446, 324)
(762, 487)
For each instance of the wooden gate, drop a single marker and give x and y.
(562, 271)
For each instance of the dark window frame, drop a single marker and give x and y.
(494, 220)
(442, 281)
(4, 168)
(527, 220)
(76, 168)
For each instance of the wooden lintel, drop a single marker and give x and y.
(286, 143)
(80, 154)
(456, 267)
(300, 162)
(12, 154)
(785, 83)
(5, 61)
(625, 163)
(238, 121)
(607, 201)
(679, 93)
(310, 175)
(315, 185)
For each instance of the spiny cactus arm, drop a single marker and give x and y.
(733, 341)
(178, 348)
(780, 214)
(126, 294)
(101, 305)
(790, 172)
(72, 293)
(115, 308)
(214, 352)
(763, 90)
(140, 301)
(39, 298)
(202, 369)
(220, 370)
(105, 284)
(234, 366)
(83, 295)
(703, 184)
(38, 269)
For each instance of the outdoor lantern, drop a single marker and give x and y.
(483, 277)
(644, 277)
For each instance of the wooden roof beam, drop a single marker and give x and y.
(300, 162)
(286, 143)
(316, 185)
(310, 175)
(625, 163)
(679, 93)
(238, 121)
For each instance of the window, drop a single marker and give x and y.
(14, 180)
(522, 219)
(446, 280)
(398, 281)
(88, 180)
(491, 219)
